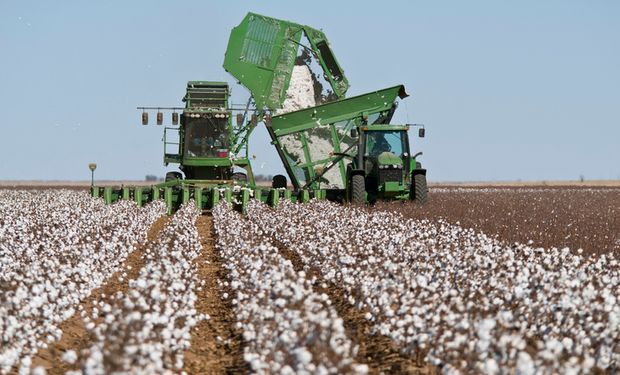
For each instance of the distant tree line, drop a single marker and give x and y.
(153, 178)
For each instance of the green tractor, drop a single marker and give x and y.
(383, 167)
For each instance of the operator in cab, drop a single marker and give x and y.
(379, 144)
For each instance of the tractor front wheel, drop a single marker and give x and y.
(358, 189)
(419, 190)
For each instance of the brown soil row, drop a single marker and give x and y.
(216, 345)
(533, 184)
(75, 336)
(379, 352)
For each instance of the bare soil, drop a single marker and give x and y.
(574, 217)
(216, 345)
(75, 336)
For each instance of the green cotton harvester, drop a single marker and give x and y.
(332, 147)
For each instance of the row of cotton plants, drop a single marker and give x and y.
(56, 246)
(287, 327)
(147, 328)
(467, 302)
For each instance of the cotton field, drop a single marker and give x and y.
(302, 288)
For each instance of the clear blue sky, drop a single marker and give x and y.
(524, 90)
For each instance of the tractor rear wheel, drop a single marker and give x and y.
(278, 181)
(419, 190)
(239, 176)
(173, 176)
(358, 189)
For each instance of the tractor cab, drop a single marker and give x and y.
(387, 160)
(205, 132)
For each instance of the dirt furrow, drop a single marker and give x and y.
(216, 345)
(75, 335)
(379, 352)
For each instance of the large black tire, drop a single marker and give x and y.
(358, 189)
(419, 190)
(239, 176)
(278, 181)
(173, 176)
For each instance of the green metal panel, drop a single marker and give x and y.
(386, 128)
(107, 195)
(168, 199)
(304, 196)
(392, 186)
(245, 198)
(258, 194)
(215, 197)
(273, 198)
(306, 139)
(125, 193)
(138, 196)
(185, 197)
(344, 109)
(207, 162)
(198, 197)
(261, 54)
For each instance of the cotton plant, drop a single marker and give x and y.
(466, 302)
(148, 328)
(53, 254)
(287, 327)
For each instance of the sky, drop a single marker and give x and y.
(508, 91)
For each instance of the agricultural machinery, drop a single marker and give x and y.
(332, 147)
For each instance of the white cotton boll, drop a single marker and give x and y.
(588, 362)
(490, 366)
(554, 346)
(525, 364)
(69, 356)
(603, 359)
(422, 281)
(303, 355)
